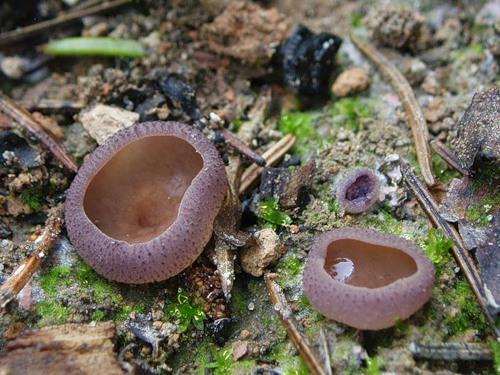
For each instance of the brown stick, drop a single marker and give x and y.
(448, 156)
(272, 156)
(460, 253)
(40, 249)
(452, 351)
(413, 111)
(286, 316)
(50, 105)
(71, 16)
(234, 142)
(25, 120)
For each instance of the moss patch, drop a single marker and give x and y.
(33, 197)
(374, 365)
(52, 280)
(53, 312)
(348, 112)
(385, 222)
(495, 347)
(301, 125)
(480, 213)
(470, 315)
(437, 247)
(270, 212)
(188, 313)
(85, 281)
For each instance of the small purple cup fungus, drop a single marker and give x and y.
(142, 207)
(358, 190)
(367, 279)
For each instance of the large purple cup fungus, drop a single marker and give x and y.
(367, 279)
(142, 207)
(358, 190)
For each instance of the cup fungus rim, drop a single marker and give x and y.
(359, 306)
(174, 249)
(348, 179)
(320, 247)
(124, 138)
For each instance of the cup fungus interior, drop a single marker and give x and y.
(136, 195)
(363, 264)
(360, 188)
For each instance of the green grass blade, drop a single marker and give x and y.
(80, 46)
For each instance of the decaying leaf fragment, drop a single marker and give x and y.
(473, 205)
(479, 129)
(66, 349)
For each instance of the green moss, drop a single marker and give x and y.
(239, 301)
(495, 348)
(33, 197)
(52, 279)
(300, 124)
(480, 213)
(221, 362)
(102, 288)
(289, 361)
(385, 222)
(374, 364)
(442, 170)
(53, 312)
(470, 315)
(291, 265)
(334, 207)
(486, 175)
(186, 312)
(98, 315)
(269, 211)
(349, 112)
(437, 247)
(236, 124)
(471, 52)
(356, 20)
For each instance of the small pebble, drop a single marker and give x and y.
(351, 81)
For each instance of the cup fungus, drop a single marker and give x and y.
(367, 279)
(141, 208)
(358, 190)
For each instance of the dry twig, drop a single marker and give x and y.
(286, 316)
(235, 143)
(413, 111)
(448, 156)
(26, 120)
(461, 255)
(51, 105)
(40, 249)
(325, 352)
(9, 37)
(453, 351)
(272, 156)
(226, 226)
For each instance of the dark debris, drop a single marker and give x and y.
(479, 129)
(307, 60)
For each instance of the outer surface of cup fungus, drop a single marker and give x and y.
(141, 208)
(367, 279)
(358, 190)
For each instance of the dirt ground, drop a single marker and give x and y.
(227, 53)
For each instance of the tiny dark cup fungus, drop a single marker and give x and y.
(141, 208)
(358, 190)
(367, 279)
